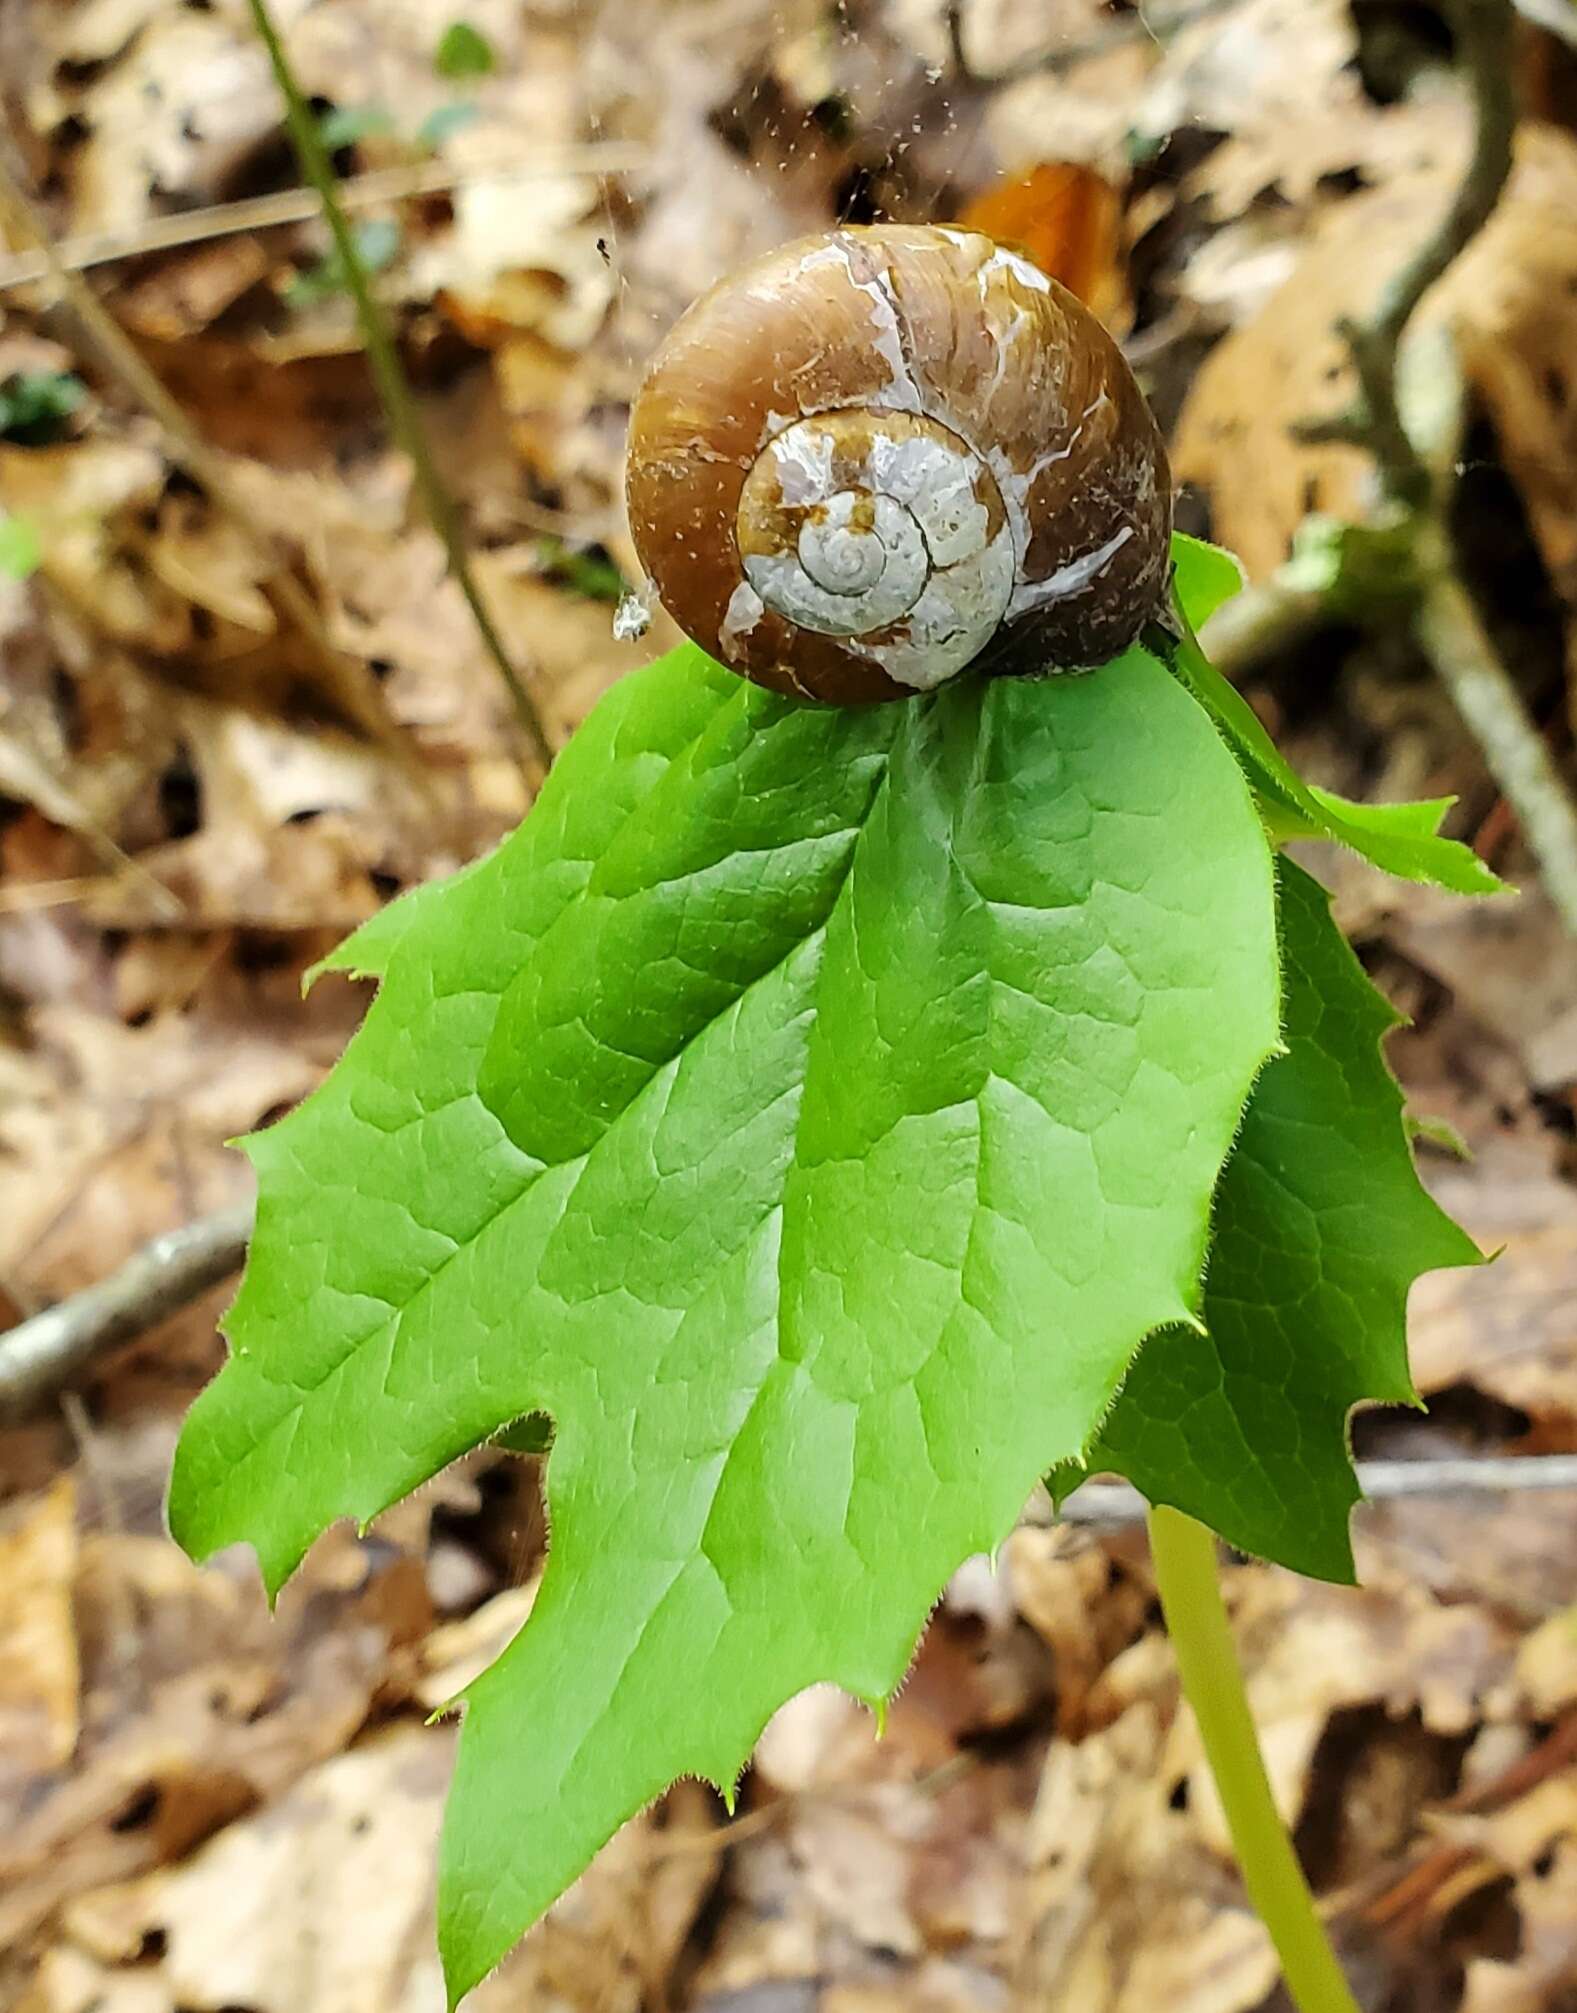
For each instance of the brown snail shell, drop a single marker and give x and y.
(877, 457)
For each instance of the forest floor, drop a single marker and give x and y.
(239, 710)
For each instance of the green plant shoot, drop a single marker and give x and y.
(833, 1120)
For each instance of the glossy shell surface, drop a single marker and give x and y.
(877, 457)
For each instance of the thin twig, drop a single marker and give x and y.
(298, 206)
(1453, 637)
(1373, 420)
(1265, 618)
(50, 1350)
(389, 375)
(352, 684)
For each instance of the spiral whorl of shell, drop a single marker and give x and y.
(878, 456)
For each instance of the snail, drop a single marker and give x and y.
(880, 457)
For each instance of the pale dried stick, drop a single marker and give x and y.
(297, 206)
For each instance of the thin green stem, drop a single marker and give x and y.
(389, 376)
(1186, 1575)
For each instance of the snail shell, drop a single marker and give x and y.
(880, 456)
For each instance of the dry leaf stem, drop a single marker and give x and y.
(394, 390)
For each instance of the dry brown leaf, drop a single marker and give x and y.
(117, 1133)
(733, 161)
(1512, 305)
(289, 413)
(1534, 1840)
(1313, 1650)
(171, 102)
(1123, 1910)
(1281, 80)
(1547, 1666)
(1253, 66)
(69, 1981)
(196, 1704)
(1090, 108)
(151, 572)
(318, 1901)
(574, 654)
(820, 1737)
(1512, 1556)
(186, 291)
(324, 1900)
(521, 260)
(899, 1849)
(171, 105)
(1510, 964)
(856, 1875)
(1512, 301)
(38, 1639)
(1068, 1590)
(999, 34)
(1133, 1898)
(77, 496)
(453, 1655)
(213, 563)
(388, 598)
(299, 830)
(980, 1670)
(1508, 1329)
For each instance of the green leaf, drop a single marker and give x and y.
(810, 1110)
(589, 573)
(1401, 838)
(1205, 577)
(1359, 570)
(20, 552)
(1321, 1227)
(463, 51)
(1437, 1132)
(531, 1435)
(444, 121)
(344, 125)
(35, 405)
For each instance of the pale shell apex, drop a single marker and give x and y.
(877, 458)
